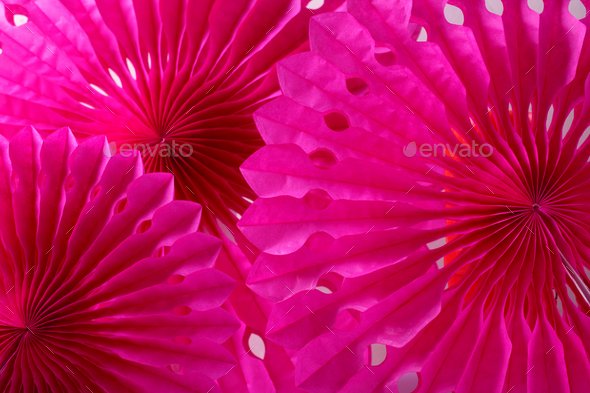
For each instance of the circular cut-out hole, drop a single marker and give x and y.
(336, 121)
(256, 346)
(120, 206)
(454, 15)
(144, 226)
(549, 117)
(323, 159)
(417, 32)
(115, 78)
(183, 340)
(347, 320)
(16, 14)
(408, 383)
(357, 86)
(162, 251)
(331, 282)
(175, 279)
(131, 69)
(98, 89)
(536, 5)
(567, 124)
(177, 369)
(495, 6)
(317, 199)
(375, 354)
(385, 56)
(182, 310)
(319, 242)
(314, 4)
(577, 9)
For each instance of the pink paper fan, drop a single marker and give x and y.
(105, 285)
(179, 81)
(420, 180)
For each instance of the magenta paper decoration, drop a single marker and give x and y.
(105, 285)
(419, 181)
(178, 80)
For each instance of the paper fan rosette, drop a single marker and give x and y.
(424, 199)
(105, 283)
(179, 82)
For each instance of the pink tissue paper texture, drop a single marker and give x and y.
(465, 270)
(162, 74)
(105, 283)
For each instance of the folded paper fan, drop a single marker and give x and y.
(105, 285)
(420, 180)
(178, 81)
